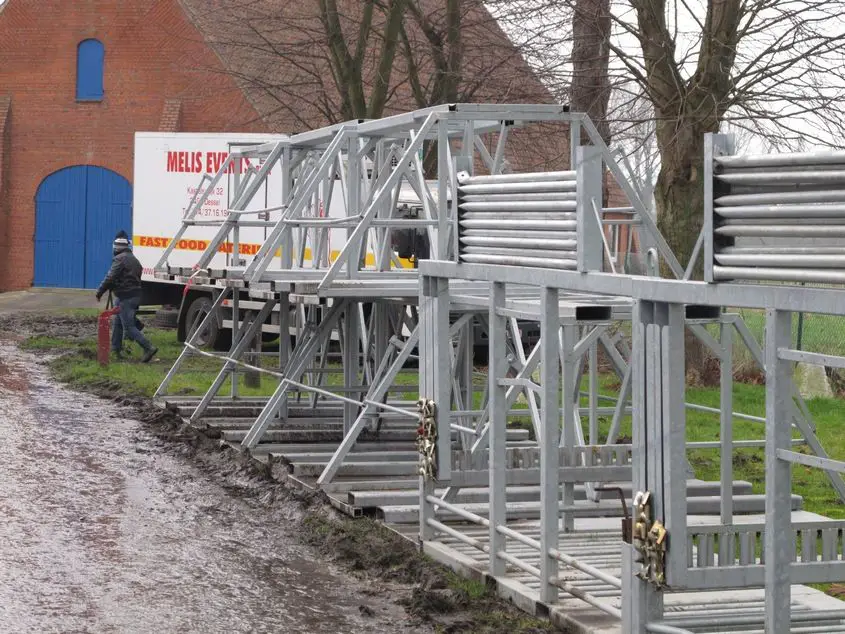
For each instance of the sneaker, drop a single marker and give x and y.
(148, 355)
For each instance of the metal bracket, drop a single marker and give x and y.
(626, 519)
(427, 439)
(651, 540)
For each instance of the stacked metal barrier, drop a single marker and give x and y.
(518, 219)
(776, 217)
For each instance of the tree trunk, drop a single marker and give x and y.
(680, 212)
(679, 196)
(590, 90)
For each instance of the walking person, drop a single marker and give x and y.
(124, 280)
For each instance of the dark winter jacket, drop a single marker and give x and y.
(124, 277)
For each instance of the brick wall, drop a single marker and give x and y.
(152, 60)
(171, 118)
(5, 147)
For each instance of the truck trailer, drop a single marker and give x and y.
(170, 169)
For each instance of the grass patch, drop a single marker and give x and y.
(79, 367)
(45, 343)
(80, 312)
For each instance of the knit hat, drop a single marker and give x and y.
(121, 241)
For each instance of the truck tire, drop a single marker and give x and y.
(166, 318)
(196, 312)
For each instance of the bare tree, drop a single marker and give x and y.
(317, 62)
(773, 68)
(764, 65)
(347, 55)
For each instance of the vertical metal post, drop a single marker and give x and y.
(284, 343)
(381, 336)
(670, 434)
(234, 260)
(436, 383)
(426, 380)
(443, 174)
(799, 336)
(441, 351)
(468, 143)
(568, 437)
(714, 145)
(287, 186)
(707, 228)
(778, 544)
(351, 361)
(353, 204)
(641, 601)
(594, 388)
(588, 189)
(549, 449)
(468, 368)
(574, 142)
(236, 318)
(497, 369)
(726, 422)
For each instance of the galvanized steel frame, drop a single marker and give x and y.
(657, 372)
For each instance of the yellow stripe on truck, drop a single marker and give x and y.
(245, 248)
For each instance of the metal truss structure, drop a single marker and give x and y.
(666, 553)
(523, 262)
(339, 279)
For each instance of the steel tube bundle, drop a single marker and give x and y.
(530, 177)
(779, 274)
(524, 235)
(520, 188)
(782, 231)
(794, 159)
(777, 260)
(554, 196)
(783, 178)
(527, 216)
(516, 242)
(518, 219)
(781, 198)
(531, 205)
(815, 210)
(496, 223)
(789, 198)
(516, 260)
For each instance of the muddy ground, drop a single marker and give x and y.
(384, 572)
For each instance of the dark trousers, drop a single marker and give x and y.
(126, 323)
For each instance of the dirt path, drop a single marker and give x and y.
(41, 299)
(106, 529)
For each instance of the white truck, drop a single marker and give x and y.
(168, 170)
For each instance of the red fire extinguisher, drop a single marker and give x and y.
(104, 334)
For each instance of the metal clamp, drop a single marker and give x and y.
(427, 439)
(651, 540)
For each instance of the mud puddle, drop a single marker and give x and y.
(102, 529)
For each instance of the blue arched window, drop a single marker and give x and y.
(89, 70)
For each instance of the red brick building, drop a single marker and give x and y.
(78, 79)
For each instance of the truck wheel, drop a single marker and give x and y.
(166, 318)
(197, 310)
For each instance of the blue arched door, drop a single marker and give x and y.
(78, 211)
